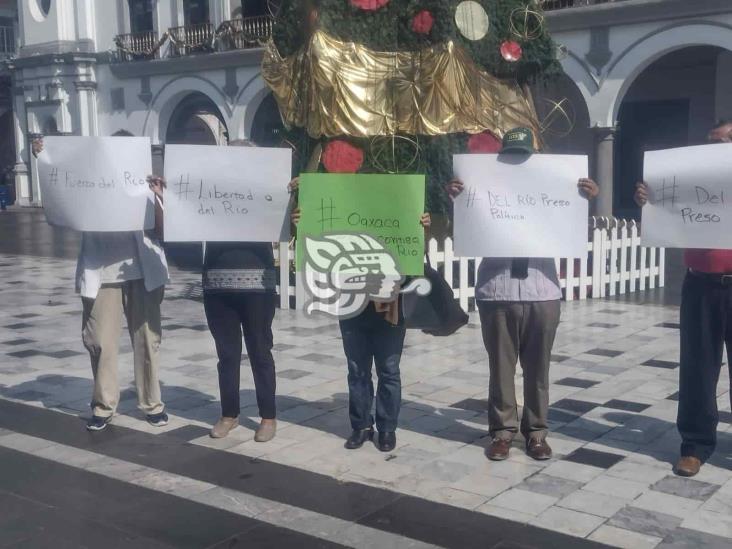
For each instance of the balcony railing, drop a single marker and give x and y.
(249, 32)
(237, 34)
(562, 4)
(7, 42)
(192, 38)
(139, 45)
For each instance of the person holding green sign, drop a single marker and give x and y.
(375, 336)
(518, 300)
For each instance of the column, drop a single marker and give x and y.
(23, 192)
(604, 169)
(87, 104)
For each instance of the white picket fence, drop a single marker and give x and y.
(615, 264)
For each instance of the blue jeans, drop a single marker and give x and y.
(368, 339)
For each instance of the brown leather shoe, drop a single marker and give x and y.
(538, 449)
(687, 466)
(499, 448)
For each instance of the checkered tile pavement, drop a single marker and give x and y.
(613, 394)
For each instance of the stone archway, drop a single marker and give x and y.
(196, 120)
(672, 102)
(637, 57)
(267, 126)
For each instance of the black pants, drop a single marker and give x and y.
(706, 325)
(368, 339)
(227, 314)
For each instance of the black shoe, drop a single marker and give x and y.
(359, 437)
(387, 441)
(98, 423)
(157, 420)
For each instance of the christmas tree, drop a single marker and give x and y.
(399, 86)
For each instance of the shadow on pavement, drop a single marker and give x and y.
(653, 437)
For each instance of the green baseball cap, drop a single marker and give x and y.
(518, 140)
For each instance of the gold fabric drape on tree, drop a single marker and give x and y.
(334, 88)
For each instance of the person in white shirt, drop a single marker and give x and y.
(122, 273)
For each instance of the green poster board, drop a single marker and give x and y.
(386, 207)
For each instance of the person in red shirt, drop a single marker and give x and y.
(706, 326)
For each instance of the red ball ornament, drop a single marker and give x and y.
(369, 5)
(341, 157)
(422, 22)
(511, 51)
(484, 143)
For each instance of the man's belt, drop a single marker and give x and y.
(717, 278)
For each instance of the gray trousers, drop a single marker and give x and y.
(512, 332)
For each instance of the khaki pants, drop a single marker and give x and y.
(101, 325)
(511, 332)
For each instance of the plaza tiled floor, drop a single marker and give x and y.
(614, 384)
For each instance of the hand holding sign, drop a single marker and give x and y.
(157, 185)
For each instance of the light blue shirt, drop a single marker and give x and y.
(494, 281)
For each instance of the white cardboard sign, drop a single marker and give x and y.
(97, 183)
(226, 194)
(520, 206)
(690, 202)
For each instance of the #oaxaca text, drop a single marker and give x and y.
(344, 272)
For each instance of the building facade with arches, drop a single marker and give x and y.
(180, 71)
(640, 75)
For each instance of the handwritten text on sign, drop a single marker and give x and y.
(690, 203)
(520, 206)
(97, 183)
(226, 194)
(386, 207)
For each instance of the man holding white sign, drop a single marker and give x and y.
(121, 268)
(706, 297)
(518, 297)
